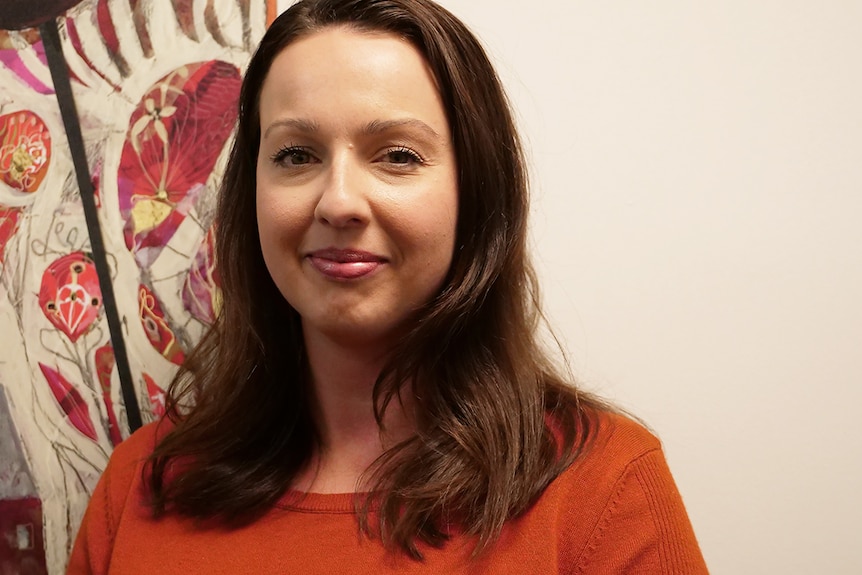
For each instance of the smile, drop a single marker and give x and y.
(346, 264)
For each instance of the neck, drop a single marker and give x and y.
(342, 380)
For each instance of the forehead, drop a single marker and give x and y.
(338, 71)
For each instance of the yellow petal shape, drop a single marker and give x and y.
(147, 214)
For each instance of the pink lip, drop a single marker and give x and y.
(344, 264)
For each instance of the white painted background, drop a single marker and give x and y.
(697, 171)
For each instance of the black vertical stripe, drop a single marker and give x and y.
(66, 100)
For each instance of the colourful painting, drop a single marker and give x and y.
(155, 86)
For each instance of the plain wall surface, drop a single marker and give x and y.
(697, 227)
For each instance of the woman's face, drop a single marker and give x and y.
(357, 192)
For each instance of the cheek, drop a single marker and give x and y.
(431, 231)
(443, 217)
(280, 224)
(278, 211)
(440, 228)
(280, 214)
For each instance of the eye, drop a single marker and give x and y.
(402, 156)
(294, 156)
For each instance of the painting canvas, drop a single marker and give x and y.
(155, 86)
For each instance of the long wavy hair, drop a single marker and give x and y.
(496, 423)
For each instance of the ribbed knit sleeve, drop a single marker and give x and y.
(644, 527)
(92, 552)
(94, 543)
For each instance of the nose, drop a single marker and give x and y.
(343, 200)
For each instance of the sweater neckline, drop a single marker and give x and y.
(311, 502)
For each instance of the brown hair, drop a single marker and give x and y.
(496, 422)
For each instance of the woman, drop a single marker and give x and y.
(373, 398)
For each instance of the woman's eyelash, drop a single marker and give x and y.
(291, 151)
(305, 156)
(414, 155)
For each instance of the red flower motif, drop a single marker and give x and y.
(156, 396)
(70, 295)
(25, 150)
(70, 401)
(8, 227)
(175, 137)
(156, 326)
(104, 367)
(201, 290)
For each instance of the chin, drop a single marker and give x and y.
(354, 333)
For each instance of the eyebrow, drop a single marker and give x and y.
(306, 126)
(372, 128)
(381, 126)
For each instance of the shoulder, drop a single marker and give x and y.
(129, 456)
(140, 443)
(617, 505)
(126, 466)
(615, 444)
(617, 440)
(121, 478)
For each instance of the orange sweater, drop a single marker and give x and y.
(616, 510)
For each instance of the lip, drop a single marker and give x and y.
(345, 264)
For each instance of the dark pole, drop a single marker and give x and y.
(63, 88)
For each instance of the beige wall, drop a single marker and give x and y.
(698, 229)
